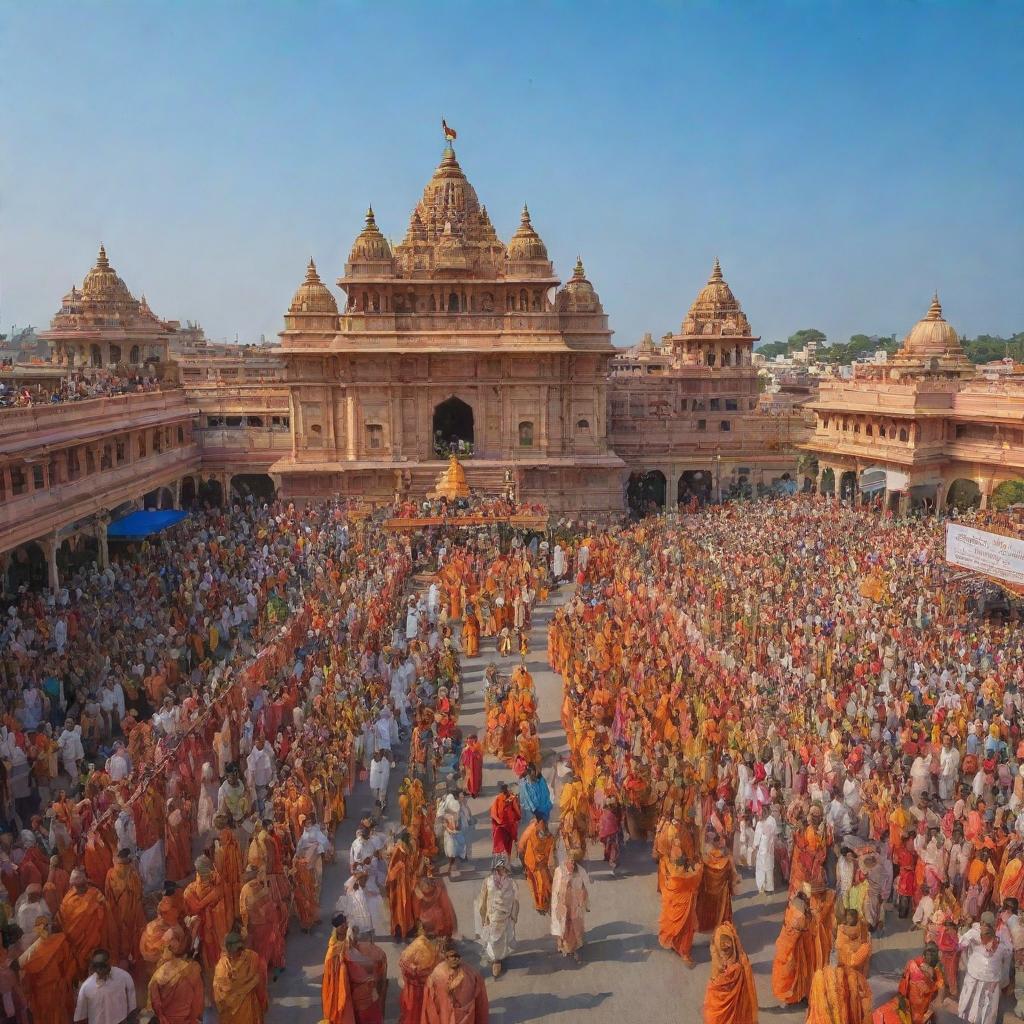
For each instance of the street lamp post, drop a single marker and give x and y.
(718, 479)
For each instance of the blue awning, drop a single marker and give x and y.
(137, 525)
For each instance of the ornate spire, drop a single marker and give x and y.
(101, 259)
(311, 275)
(716, 272)
(578, 272)
(524, 217)
(935, 309)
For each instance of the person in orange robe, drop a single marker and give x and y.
(204, 900)
(415, 965)
(678, 920)
(922, 983)
(57, 883)
(731, 997)
(240, 984)
(839, 995)
(227, 862)
(433, 906)
(793, 967)
(335, 989)
(163, 932)
(178, 840)
(472, 763)
(84, 919)
(262, 926)
(454, 992)
(471, 634)
(853, 944)
(399, 887)
(367, 966)
(823, 924)
(123, 892)
(536, 851)
(176, 989)
(714, 898)
(47, 968)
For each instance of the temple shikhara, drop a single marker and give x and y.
(454, 342)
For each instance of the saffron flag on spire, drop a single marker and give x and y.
(449, 133)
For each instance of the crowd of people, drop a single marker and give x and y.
(800, 688)
(75, 387)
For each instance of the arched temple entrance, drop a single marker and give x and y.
(646, 492)
(964, 494)
(259, 485)
(452, 428)
(694, 483)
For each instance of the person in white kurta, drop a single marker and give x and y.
(987, 971)
(412, 620)
(570, 902)
(496, 912)
(558, 562)
(763, 852)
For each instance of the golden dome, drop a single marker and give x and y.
(526, 244)
(313, 296)
(716, 310)
(577, 295)
(370, 245)
(932, 335)
(102, 284)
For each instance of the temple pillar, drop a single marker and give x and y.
(904, 503)
(102, 550)
(50, 544)
(986, 493)
(177, 493)
(940, 498)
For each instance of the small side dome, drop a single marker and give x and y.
(932, 335)
(526, 245)
(313, 296)
(577, 295)
(370, 245)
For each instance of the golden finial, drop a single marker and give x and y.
(524, 217)
(935, 309)
(370, 220)
(716, 272)
(579, 272)
(101, 260)
(311, 275)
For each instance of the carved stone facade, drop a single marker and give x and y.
(453, 341)
(921, 429)
(686, 417)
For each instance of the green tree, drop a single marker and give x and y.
(773, 349)
(799, 341)
(1009, 492)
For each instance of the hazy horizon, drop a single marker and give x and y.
(843, 161)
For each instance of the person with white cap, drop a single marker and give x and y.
(496, 912)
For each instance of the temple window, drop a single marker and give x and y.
(582, 425)
(17, 480)
(869, 430)
(524, 300)
(119, 451)
(142, 444)
(38, 477)
(904, 436)
(374, 436)
(714, 405)
(537, 307)
(90, 462)
(375, 302)
(526, 434)
(181, 435)
(453, 303)
(731, 405)
(725, 426)
(316, 435)
(702, 424)
(133, 356)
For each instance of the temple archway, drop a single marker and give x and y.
(452, 429)
(964, 494)
(211, 493)
(828, 482)
(848, 485)
(188, 492)
(694, 483)
(646, 492)
(259, 485)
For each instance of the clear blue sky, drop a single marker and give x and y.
(843, 160)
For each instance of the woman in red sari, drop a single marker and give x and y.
(505, 817)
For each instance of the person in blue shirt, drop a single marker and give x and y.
(534, 795)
